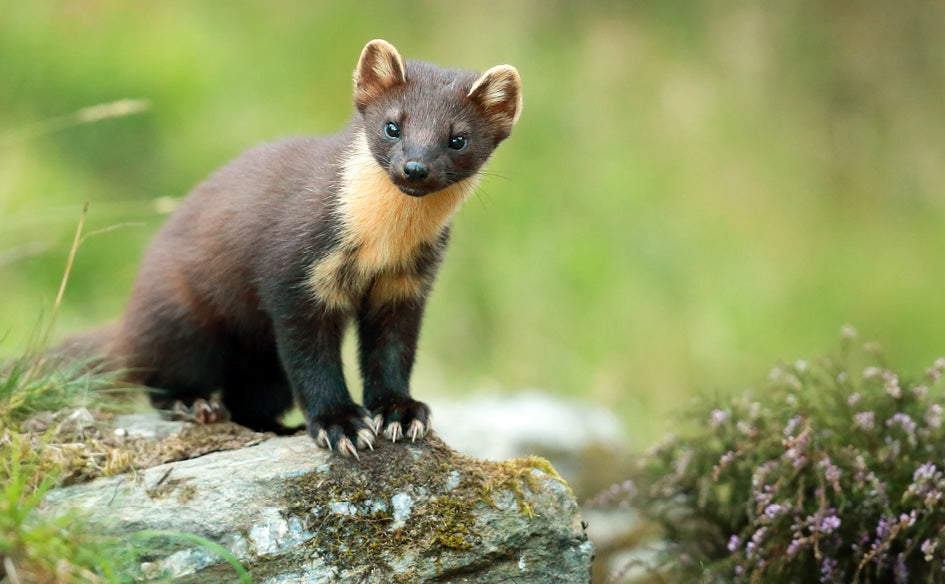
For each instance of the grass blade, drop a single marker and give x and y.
(212, 546)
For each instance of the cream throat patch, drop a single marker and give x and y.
(382, 230)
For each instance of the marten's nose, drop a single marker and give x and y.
(416, 171)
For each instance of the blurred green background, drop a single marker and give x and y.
(695, 190)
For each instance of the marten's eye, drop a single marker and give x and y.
(392, 130)
(457, 142)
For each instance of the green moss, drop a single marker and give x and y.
(369, 531)
(514, 475)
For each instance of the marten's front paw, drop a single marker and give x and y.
(344, 429)
(401, 417)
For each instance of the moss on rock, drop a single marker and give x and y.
(352, 506)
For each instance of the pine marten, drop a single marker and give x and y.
(249, 285)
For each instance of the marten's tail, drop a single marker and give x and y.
(93, 350)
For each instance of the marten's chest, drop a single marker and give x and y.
(382, 232)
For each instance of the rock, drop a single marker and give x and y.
(293, 513)
(150, 425)
(503, 426)
(627, 546)
(585, 443)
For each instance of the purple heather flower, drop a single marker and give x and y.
(796, 457)
(853, 399)
(926, 472)
(933, 416)
(752, 546)
(829, 524)
(759, 535)
(792, 425)
(831, 473)
(900, 571)
(933, 374)
(773, 510)
(928, 549)
(733, 543)
(905, 422)
(825, 523)
(796, 544)
(828, 569)
(750, 549)
(864, 420)
(891, 382)
(763, 499)
(717, 418)
(935, 371)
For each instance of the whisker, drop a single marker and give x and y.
(480, 194)
(492, 174)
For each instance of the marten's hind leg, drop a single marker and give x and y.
(256, 391)
(180, 364)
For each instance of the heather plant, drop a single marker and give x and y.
(835, 472)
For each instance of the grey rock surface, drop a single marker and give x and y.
(507, 424)
(585, 442)
(150, 425)
(293, 513)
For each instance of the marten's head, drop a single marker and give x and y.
(427, 127)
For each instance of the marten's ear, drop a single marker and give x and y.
(498, 94)
(379, 68)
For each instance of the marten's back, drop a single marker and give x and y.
(268, 207)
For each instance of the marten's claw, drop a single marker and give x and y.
(344, 429)
(417, 430)
(346, 448)
(365, 438)
(376, 423)
(201, 411)
(393, 431)
(179, 411)
(400, 417)
(321, 439)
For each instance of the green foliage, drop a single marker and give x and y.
(28, 386)
(836, 470)
(695, 188)
(46, 547)
(43, 548)
(38, 545)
